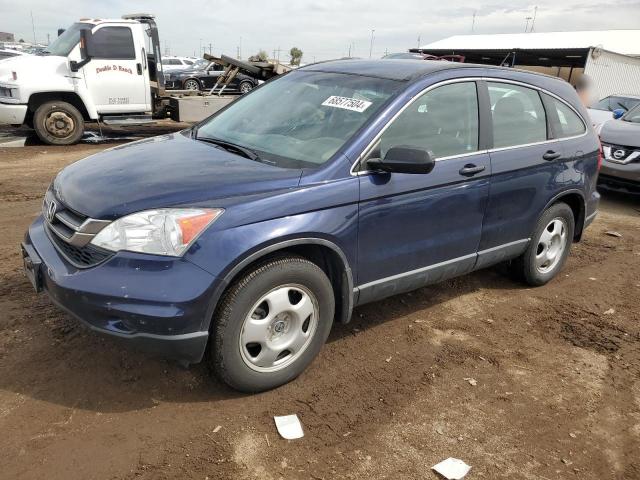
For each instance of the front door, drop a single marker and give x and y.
(416, 229)
(115, 76)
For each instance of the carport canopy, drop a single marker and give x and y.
(548, 57)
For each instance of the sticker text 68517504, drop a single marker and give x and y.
(347, 103)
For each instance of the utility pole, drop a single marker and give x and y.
(419, 42)
(371, 44)
(535, 13)
(210, 49)
(48, 39)
(473, 22)
(240, 48)
(33, 27)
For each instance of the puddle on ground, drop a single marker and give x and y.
(10, 140)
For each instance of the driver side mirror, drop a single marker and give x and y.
(403, 159)
(617, 113)
(86, 50)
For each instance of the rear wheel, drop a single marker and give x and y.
(271, 324)
(192, 84)
(245, 87)
(549, 246)
(58, 123)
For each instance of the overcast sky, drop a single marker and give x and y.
(321, 28)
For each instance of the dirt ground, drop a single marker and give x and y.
(556, 370)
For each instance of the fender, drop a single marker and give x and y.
(579, 221)
(348, 290)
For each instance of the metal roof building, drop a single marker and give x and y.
(610, 57)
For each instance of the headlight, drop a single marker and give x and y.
(167, 231)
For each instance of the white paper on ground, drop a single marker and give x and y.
(452, 468)
(289, 427)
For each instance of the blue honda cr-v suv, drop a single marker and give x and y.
(338, 184)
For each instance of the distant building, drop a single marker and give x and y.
(610, 57)
(7, 37)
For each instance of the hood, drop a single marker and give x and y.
(599, 116)
(33, 66)
(620, 132)
(160, 172)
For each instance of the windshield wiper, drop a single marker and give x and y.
(623, 107)
(232, 147)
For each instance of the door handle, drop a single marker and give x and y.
(470, 169)
(550, 155)
(139, 67)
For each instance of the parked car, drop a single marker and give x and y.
(621, 147)
(204, 77)
(337, 184)
(170, 64)
(605, 108)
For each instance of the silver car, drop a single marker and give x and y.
(621, 149)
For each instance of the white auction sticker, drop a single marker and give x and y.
(347, 103)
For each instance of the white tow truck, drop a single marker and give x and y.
(101, 70)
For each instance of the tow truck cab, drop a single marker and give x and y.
(95, 70)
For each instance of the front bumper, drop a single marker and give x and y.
(158, 304)
(12, 114)
(621, 177)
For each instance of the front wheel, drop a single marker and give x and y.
(58, 123)
(271, 324)
(549, 246)
(192, 84)
(245, 87)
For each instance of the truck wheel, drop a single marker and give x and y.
(271, 324)
(58, 123)
(549, 246)
(192, 84)
(245, 87)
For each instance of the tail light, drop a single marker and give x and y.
(600, 154)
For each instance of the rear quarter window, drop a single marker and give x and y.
(568, 124)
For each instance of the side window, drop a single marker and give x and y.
(114, 43)
(518, 115)
(569, 123)
(188, 62)
(443, 120)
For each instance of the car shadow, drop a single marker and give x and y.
(67, 365)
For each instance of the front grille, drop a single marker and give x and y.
(621, 153)
(72, 232)
(81, 257)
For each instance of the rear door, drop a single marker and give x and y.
(416, 229)
(527, 168)
(115, 76)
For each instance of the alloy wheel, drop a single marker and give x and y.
(551, 245)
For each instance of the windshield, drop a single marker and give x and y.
(63, 45)
(632, 115)
(614, 102)
(301, 119)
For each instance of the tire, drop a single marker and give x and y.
(548, 250)
(248, 311)
(191, 84)
(58, 123)
(245, 87)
